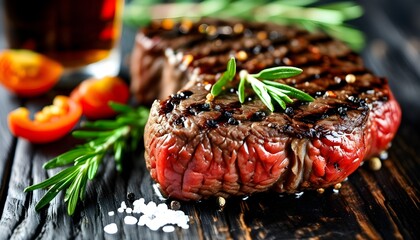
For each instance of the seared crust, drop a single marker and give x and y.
(196, 150)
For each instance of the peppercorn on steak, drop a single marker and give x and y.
(196, 149)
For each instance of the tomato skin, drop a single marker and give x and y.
(94, 96)
(43, 132)
(27, 73)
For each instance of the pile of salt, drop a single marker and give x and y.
(151, 215)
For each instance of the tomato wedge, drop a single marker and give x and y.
(51, 123)
(27, 73)
(94, 96)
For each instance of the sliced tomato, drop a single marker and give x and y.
(51, 123)
(27, 73)
(94, 96)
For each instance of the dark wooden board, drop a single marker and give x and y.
(370, 205)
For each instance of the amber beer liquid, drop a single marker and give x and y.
(74, 32)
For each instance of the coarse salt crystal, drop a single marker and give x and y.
(138, 202)
(111, 213)
(162, 208)
(120, 210)
(130, 220)
(383, 155)
(150, 209)
(185, 226)
(111, 228)
(128, 210)
(208, 87)
(123, 205)
(168, 228)
(143, 220)
(151, 205)
(298, 194)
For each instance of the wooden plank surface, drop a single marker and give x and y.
(370, 205)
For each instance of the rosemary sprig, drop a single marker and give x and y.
(310, 14)
(263, 85)
(104, 136)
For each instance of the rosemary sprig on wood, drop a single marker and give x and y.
(263, 85)
(310, 14)
(104, 136)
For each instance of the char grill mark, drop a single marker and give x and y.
(216, 53)
(195, 149)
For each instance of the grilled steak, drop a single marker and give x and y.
(195, 149)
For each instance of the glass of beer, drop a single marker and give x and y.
(83, 35)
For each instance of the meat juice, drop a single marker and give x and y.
(74, 32)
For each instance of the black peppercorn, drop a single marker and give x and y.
(258, 116)
(205, 107)
(131, 196)
(211, 123)
(289, 111)
(175, 205)
(233, 121)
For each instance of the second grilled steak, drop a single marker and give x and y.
(195, 149)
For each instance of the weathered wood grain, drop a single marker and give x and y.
(370, 205)
(7, 142)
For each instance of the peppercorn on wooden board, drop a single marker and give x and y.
(370, 205)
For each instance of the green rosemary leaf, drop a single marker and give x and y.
(82, 159)
(73, 185)
(65, 158)
(349, 9)
(279, 101)
(278, 73)
(143, 112)
(351, 36)
(137, 14)
(281, 93)
(73, 196)
(118, 150)
(241, 87)
(226, 77)
(120, 108)
(217, 88)
(295, 2)
(51, 181)
(286, 99)
(293, 92)
(93, 168)
(211, 7)
(262, 94)
(239, 9)
(231, 68)
(90, 134)
(135, 138)
(102, 124)
(50, 195)
(96, 143)
(83, 184)
(127, 120)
